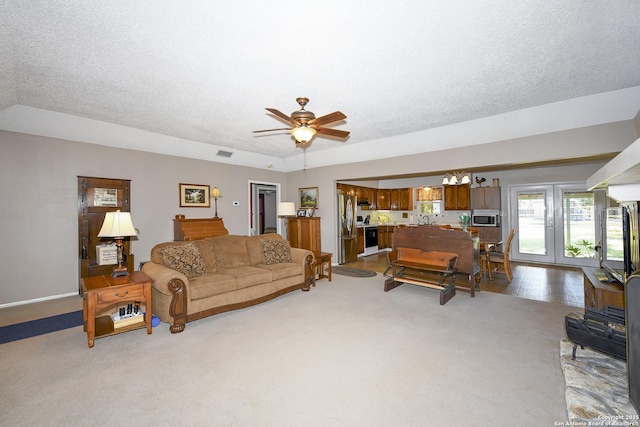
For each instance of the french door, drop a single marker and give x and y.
(555, 224)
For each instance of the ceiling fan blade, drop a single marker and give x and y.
(270, 130)
(333, 132)
(329, 118)
(283, 116)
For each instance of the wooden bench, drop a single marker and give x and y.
(432, 238)
(431, 269)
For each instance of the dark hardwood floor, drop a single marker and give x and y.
(538, 282)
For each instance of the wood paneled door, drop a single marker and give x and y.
(97, 196)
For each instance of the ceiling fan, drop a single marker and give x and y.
(306, 125)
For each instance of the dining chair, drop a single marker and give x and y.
(499, 261)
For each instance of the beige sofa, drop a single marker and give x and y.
(195, 279)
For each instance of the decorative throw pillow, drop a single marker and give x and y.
(275, 251)
(185, 258)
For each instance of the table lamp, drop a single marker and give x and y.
(118, 225)
(215, 193)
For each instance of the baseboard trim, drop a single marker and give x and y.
(31, 301)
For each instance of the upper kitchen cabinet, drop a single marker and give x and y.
(485, 198)
(402, 199)
(373, 199)
(457, 197)
(346, 188)
(384, 199)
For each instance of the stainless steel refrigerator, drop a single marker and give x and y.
(347, 232)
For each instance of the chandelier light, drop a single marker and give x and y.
(456, 178)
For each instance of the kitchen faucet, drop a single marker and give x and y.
(428, 221)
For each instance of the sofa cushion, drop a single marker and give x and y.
(275, 251)
(183, 257)
(254, 246)
(210, 285)
(230, 251)
(283, 270)
(248, 275)
(205, 246)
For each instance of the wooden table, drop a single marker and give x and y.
(102, 292)
(321, 258)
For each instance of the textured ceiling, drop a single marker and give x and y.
(204, 71)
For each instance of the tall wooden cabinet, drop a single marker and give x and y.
(304, 233)
(97, 196)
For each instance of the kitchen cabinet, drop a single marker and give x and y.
(457, 197)
(385, 236)
(304, 233)
(360, 240)
(346, 188)
(397, 199)
(384, 199)
(485, 198)
(401, 199)
(373, 199)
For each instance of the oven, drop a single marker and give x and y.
(370, 240)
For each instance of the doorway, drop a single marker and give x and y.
(263, 205)
(556, 223)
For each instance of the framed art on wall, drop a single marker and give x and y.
(308, 197)
(194, 196)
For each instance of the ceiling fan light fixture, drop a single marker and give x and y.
(303, 134)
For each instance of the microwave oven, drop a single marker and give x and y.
(485, 220)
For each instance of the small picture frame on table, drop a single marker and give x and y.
(302, 213)
(194, 196)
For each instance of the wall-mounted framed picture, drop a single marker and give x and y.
(308, 197)
(302, 213)
(194, 196)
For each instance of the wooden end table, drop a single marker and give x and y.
(102, 292)
(321, 258)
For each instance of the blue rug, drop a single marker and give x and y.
(33, 328)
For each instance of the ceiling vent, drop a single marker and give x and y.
(223, 153)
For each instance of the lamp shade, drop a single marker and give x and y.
(286, 209)
(117, 224)
(303, 133)
(215, 192)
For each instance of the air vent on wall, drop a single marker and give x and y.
(226, 154)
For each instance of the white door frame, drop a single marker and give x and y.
(253, 205)
(553, 223)
(548, 219)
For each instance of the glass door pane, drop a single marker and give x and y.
(531, 221)
(579, 225)
(576, 244)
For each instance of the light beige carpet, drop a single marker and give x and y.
(344, 354)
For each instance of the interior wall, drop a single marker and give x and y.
(577, 143)
(39, 192)
(39, 210)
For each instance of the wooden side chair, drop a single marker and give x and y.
(500, 260)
